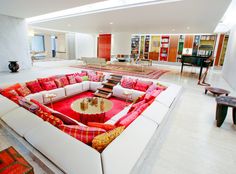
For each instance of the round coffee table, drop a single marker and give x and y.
(92, 109)
(217, 91)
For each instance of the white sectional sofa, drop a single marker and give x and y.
(74, 157)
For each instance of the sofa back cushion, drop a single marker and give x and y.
(100, 142)
(82, 133)
(128, 83)
(34, 86)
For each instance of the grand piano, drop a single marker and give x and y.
(199, 61)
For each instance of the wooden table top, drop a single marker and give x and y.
(226, 100)
(217, 90)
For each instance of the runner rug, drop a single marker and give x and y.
(130, 70)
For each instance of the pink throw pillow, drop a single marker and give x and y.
(128, 83)
(64, 80)
(71, 78)
(94, 78)
(151, 88)
(127, 119)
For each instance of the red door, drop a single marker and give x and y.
(104, 46)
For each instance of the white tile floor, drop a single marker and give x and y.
(193, 143)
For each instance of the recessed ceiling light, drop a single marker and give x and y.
(111, 23)
(188, 28)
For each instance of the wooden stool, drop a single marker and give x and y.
(223, 102)
(217, 91)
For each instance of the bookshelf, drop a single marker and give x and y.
(223, 51)
(207, 43)
(165, 40)
(135, 45)
(180, 45)
(196, 44)
(146, 46)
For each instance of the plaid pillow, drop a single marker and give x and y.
(82, 133)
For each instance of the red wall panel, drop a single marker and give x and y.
(104, 46)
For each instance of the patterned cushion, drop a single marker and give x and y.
(106, 127)
(43, 80)
(82, 133)
(128, 83)
(66, 120)
(23, 91)
(32, 107)
(49, 85)
(100, 142)
(71, 78)
(34, 86)
(41, 106)
(94, 78)
(59, 83)
(9, 93)
(64, 80)
(46, 116)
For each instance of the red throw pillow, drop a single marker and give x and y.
(71, 78)
(49, 85)
(46, 116)
(151, 88)
(43, 80)
(23, 91)
(127, 119)
(41, 106)
(83, 73)
(12, 87)
(9, 93)
(106, 127)
(82, 133)
(141, 86)
(16, 99)
(161, 87)
(34, 86)
(66, 120)
(78, 79)
(128, 83)
(140, 109)
(64, 80)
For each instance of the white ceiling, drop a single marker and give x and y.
(30, 8)
(187, 16)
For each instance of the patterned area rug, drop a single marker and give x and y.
(130, 70)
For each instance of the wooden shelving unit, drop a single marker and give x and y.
(207, 44)
(135, 45)
(222, 55)
(165, 40)
(196, 44)
(180, 45)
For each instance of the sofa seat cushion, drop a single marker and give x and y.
(95, 85)
(156, 112)
(168, 96)
(59, 92)
(22, 121)
(6, 105)
(129, 145)
(36, 96)
(71, 155)
(73, 89)
(100, 142)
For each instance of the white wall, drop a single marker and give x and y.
(13, 42)
(121, 43)
(86, 45)
(70, 45)
(229, 67)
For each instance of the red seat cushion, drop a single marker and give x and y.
(34, 86)
(106, 127)
(128, 83)
(82, 133)
(49, 85)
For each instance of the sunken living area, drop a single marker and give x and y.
(117, 87)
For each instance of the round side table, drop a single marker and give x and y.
(50, 96)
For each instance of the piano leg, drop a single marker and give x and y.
(182, 67)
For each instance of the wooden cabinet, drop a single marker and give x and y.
(220, 45)
(104, 46)
(188, 41)
(153, 55)
(174, 39)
